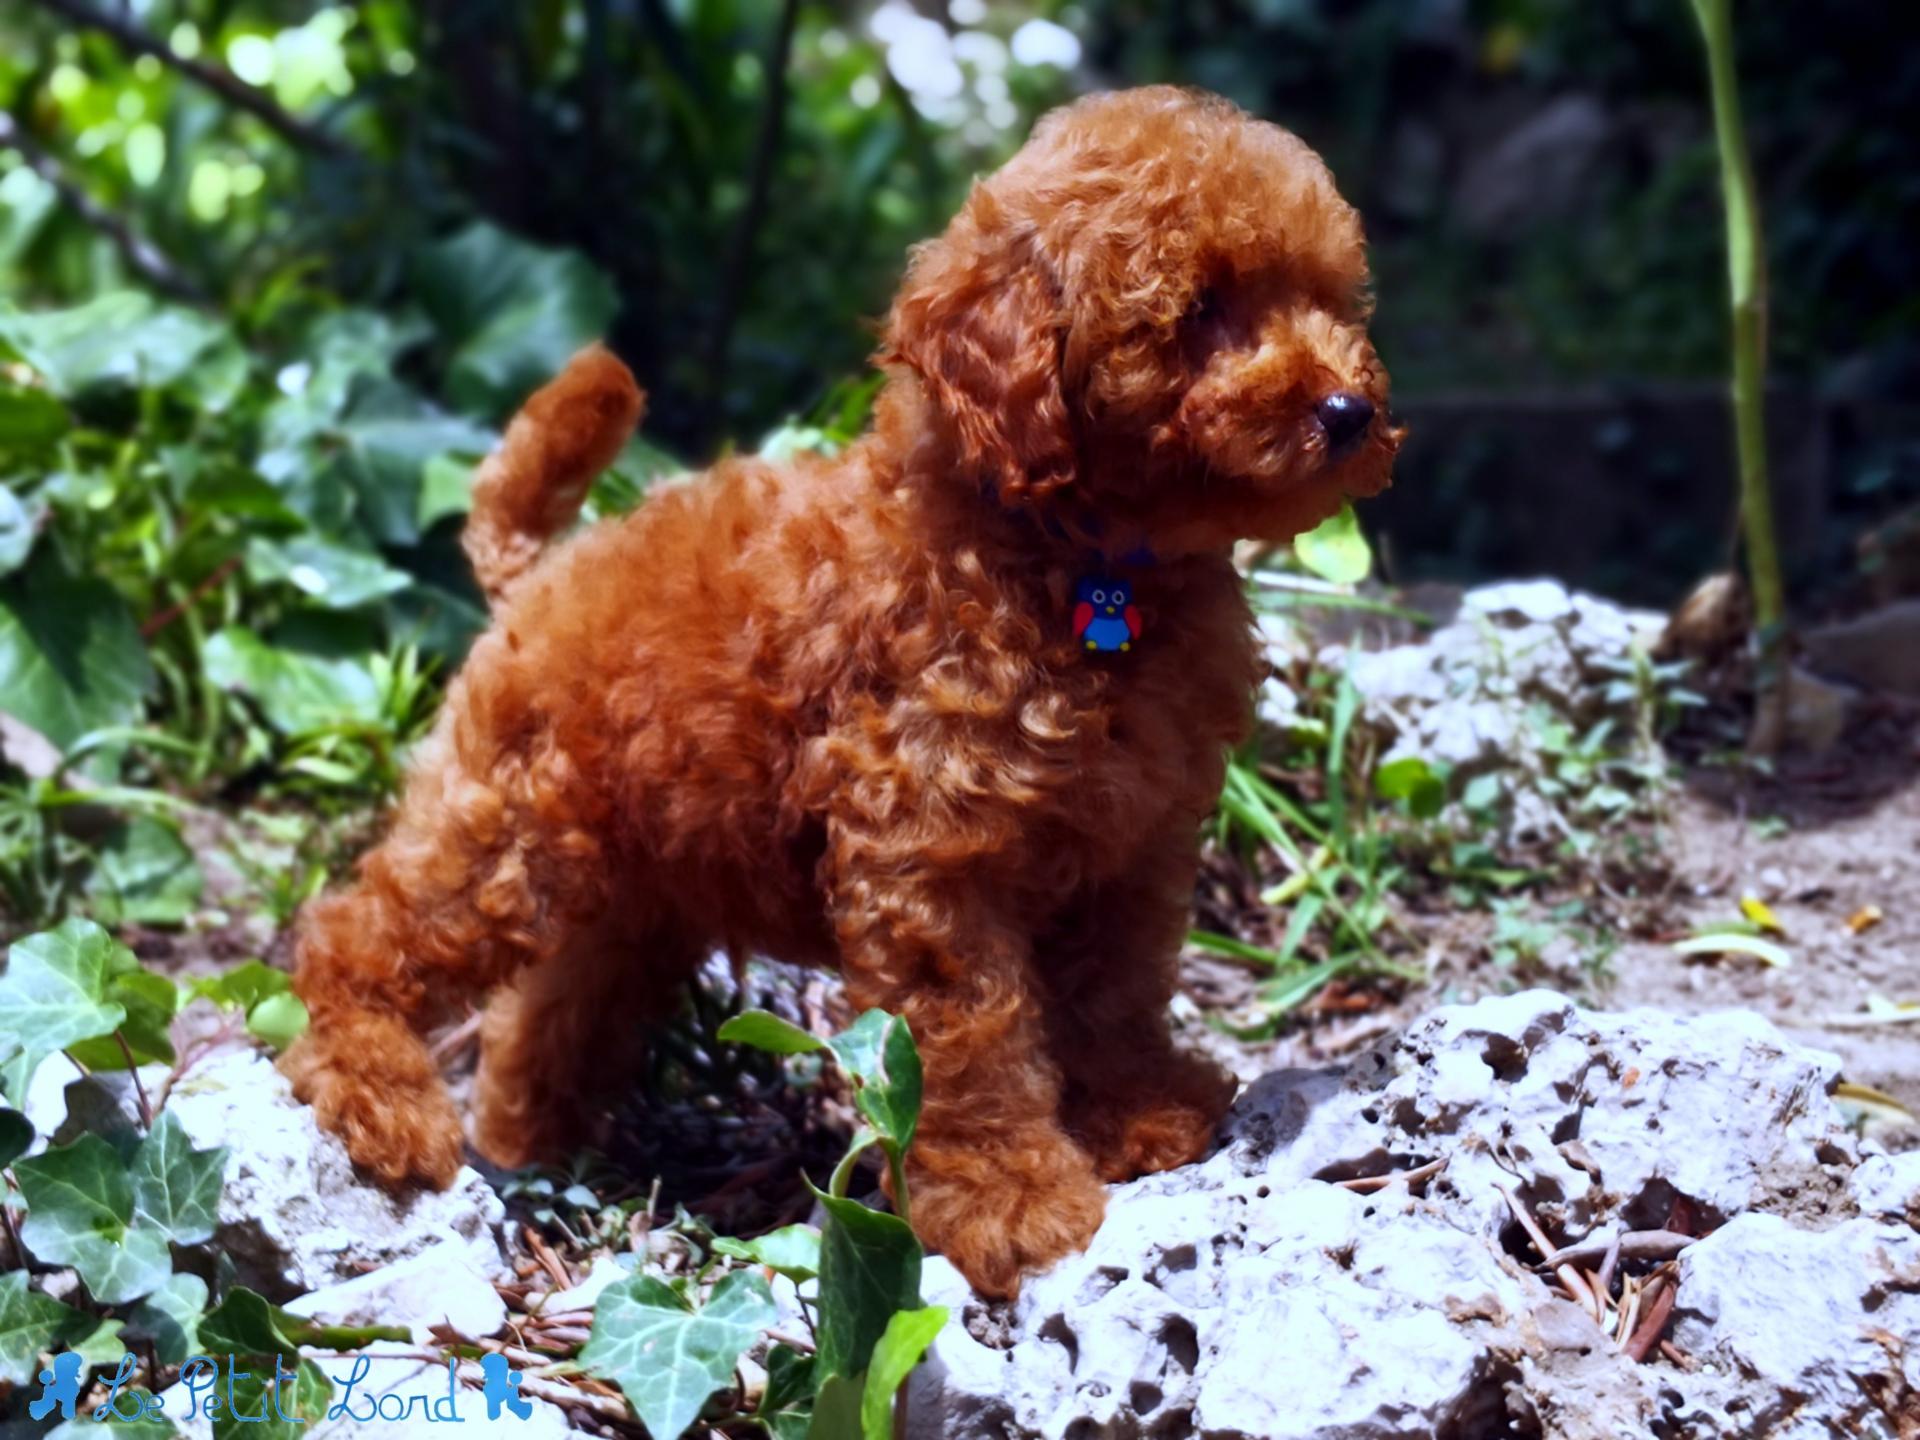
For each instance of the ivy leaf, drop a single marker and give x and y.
(80, 1212)
(104, 1347)
(71, 658)
(836, 1409)
(278, 1020)
(31, 1323)
(243, 1323)
(339, 577)
(170, 1317)
(146, 874)
(1335, 550)
(149, 1001)
(764, 1030)
(869, 1268)
(792, 1251)
(667, 1357)
(878, 1050)
(177, 1186)
(19, 526)
(54, 993)
(513, 312)
(905, 1340)
(297, 690)
(786, 1405)
(245, 985)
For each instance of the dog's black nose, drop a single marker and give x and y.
(1344, 416)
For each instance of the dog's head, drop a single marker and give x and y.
(1153, 320)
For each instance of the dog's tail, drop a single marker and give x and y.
(529, 488)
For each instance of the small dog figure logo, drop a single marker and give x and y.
(502, 1388)
(62, 1388)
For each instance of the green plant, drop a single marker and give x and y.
(1747, 278)
(119, 1201)
(670, 1355)
(1341, 863)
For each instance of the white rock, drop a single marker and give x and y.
(1889, 1185)
(439, 1286)
(1830, 1319)
(1246, 1296)
(293, 1214)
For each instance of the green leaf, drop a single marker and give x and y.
(514, 313)
(170, 1317)
(71, 658)
(792, 1251)
(18, 529)
(907, 1336)
(145, 874)
(836, 1408)
(766, 1031)
(30, 1324)
(668, 1358)
(1335, 550)
(878, 1050)
(243, 1323)
(869, 1268)
(149, 1001)
(446, 488)
(242, 987)
(29, 418)
(104, 1347)
(121, 337)
(55, 993)
(339, 577)
(1411, 779)
(81, 1213)
(278, 1020)
(387, 457)
(298, 691)
(786, 1405)
(177, 1186)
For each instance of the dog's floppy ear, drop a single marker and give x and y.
(978, 319)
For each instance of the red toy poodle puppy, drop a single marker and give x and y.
(870, 712)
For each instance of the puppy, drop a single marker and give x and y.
(885, 711)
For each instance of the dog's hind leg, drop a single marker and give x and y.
(568, 1035)
(489, 868)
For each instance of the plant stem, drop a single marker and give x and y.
(1746, 269)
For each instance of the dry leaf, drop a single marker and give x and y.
(1763, 950)
(1757, 910)
(1864, 919)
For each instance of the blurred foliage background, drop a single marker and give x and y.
(273, 273)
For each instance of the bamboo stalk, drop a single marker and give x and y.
(1747, 277)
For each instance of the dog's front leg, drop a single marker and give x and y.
(996, 1184)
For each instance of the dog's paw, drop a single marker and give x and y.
(1017, 1212)
(1163, 1124)
(397, 1123)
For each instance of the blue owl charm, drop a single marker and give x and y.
(1104, 617)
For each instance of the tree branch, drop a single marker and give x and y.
(141, 255)
(217, 78)
(735, 276)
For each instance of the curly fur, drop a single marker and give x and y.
(833, 710)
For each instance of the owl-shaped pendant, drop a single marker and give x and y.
(1104, 617)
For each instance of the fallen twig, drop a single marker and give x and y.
(550, 1262)
(1658, 1309)
(1367, 1184)
(1566, 1274)
(1634, 1245)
